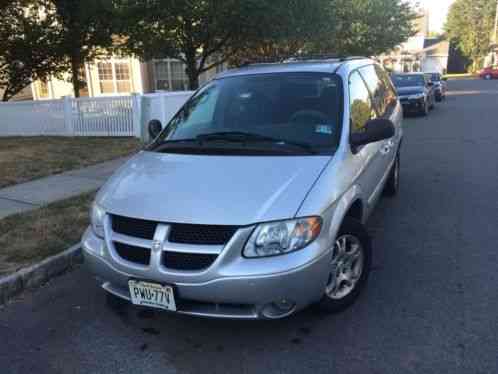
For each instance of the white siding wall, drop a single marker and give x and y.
(435, 64)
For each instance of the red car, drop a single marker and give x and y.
(491, 72)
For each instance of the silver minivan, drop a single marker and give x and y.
(251, 202)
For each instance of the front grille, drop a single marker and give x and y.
(133, 254)
(138, 228)
(201, 234)
(187, 261)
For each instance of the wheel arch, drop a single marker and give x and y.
(351, 204)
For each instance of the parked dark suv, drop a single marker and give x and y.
(440, 86)
(416, 92)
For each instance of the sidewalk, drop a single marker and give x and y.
(31, 195)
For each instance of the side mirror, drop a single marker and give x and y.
(155, 128)
(375, 130)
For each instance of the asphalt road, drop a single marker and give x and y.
(431, 305)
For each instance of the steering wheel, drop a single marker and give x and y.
(309, 117)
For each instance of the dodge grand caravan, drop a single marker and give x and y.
(251, 202)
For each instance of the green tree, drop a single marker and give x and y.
(365, 27)
(290, 27)
(470, 26)
(204, 34)
(84, 32)
(26, 46)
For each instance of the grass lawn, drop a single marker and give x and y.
(458, 76)
(26, 158)
(28, 238)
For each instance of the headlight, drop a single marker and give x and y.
(97, 219)
(277, 238)
(416, 97)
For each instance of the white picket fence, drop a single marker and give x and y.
(96, 116)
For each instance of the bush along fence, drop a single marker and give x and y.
(96, 116)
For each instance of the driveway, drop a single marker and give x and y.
(431, 305)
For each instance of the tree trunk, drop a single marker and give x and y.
(75, 79)
(5, 96)
(192, 70)
(193, 82)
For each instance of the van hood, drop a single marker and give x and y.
(413, 90)
(217, 190)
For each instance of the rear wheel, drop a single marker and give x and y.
(488, 77)
(433, 103)
(425, 109)
(350, 264)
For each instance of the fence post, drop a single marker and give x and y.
(68, 115)
(136, 105)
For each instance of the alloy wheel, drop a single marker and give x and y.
(346, 267)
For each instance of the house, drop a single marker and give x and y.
(419, 53)
(122, 76)
(434, 56)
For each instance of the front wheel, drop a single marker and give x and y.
(488, 77)
(350, 265)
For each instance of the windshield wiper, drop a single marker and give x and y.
(164, 144)
(246, 137)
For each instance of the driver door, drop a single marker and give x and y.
(371, 156)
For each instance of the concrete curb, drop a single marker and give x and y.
(38, 274)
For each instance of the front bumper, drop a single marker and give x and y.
(412, 105)
(233, 287)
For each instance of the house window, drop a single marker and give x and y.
(162, 76)
(105, 77)
(179, 80)
(122, 77)
(114, 77)
(170, 75)
(220, 68)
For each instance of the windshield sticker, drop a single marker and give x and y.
(323, 129)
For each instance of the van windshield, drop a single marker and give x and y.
(406, 80)
(284, 113)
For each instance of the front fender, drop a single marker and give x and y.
(337, 212)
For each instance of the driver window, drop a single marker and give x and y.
(361, 109)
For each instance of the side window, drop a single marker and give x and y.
(360, 103)
(390, 90)
(377, 88)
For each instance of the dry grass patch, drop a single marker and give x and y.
(28, 238)
(26, 158)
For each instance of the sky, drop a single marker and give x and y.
(438, 10)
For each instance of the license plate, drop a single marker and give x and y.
(152, 295)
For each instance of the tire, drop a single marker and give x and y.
(392, 185)
(425, 110)
(488, 77)
(336, 299)
(433, 104)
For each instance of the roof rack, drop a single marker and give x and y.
(303, 58)
(323, 57)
